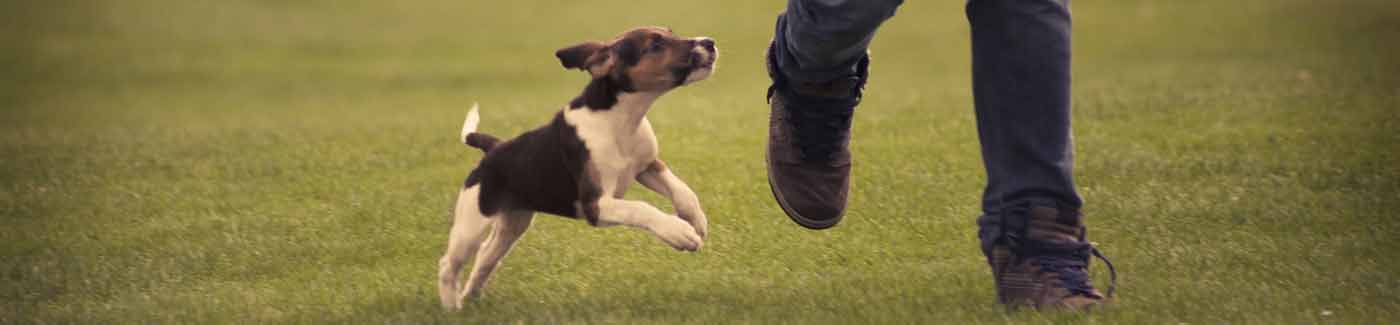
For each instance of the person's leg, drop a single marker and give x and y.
(818, 64)
(822, 40)
(1031, 229)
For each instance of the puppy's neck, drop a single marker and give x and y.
(624, 109)
(634, 106)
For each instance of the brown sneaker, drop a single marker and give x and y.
(1043, 263)
(809, 134)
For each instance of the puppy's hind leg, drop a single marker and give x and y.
(468, 231)
(506, 231)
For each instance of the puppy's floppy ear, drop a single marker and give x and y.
(588, 56)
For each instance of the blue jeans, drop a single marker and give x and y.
(1020, 85)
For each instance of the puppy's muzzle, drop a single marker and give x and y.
(704, 54)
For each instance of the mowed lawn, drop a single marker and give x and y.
(294, 162)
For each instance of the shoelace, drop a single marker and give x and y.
(1112, 273)
(819, 130)
(819, 123)
(1070, 263)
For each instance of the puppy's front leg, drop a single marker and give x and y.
(659, 178)
(668, 228)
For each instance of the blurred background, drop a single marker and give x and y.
(294, 161)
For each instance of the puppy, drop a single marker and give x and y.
(581, 162)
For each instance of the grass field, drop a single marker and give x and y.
(294, 161)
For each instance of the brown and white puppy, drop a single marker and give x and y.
(581, 163)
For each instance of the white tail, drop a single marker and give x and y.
(469, 125)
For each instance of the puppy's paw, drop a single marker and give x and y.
(447, 288)
(473, 294)
(451, 300)
(699, 222)
(679, 234)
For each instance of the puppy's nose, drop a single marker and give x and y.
(707, 43)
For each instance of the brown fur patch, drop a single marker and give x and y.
(543, 170)
(657, 166)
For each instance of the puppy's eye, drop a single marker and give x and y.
(655, 46)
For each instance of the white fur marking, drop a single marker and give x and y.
(621, 145)
(469, 125)
(620, 141)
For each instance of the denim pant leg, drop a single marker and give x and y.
(821, 40)
(1021, 80)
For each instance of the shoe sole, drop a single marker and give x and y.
(797, 218)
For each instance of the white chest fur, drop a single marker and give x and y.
(620, 141)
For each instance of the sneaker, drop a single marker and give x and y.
(809, 134)
(1043, 263)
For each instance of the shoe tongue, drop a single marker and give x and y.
(817, 137)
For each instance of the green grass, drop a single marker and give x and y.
(293, 162)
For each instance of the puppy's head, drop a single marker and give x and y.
(646, 59)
